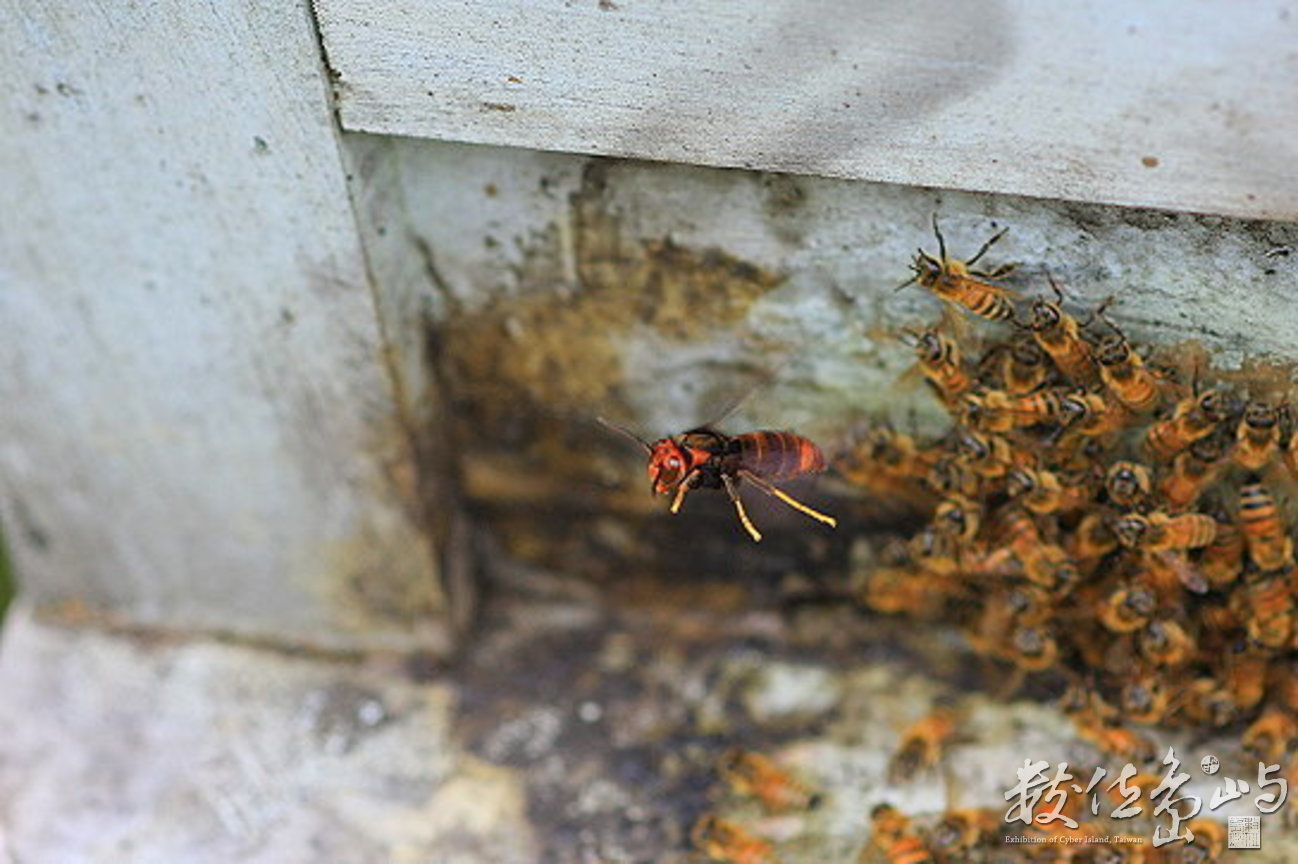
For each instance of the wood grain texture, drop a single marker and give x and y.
(1168, 105)
(198, 424)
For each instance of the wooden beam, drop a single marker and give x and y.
(199, 430)
(1167, 105)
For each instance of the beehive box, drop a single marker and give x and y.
(327, 384)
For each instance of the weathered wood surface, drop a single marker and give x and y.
(1167, 105)
(558, 296)
(198, 425)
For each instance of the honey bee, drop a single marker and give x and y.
(960, 832)
(1043, 406)
(1029, 604)
(1209, 842)
(1193, 418)
(958, 518)
(941, 363)
(898, 585)
(705, 458)
(1043, 563)
(922, 745)
(891, 834)
(1044, 492)
(1033, 649)
(1159, 532)
(1145, 701)
(1127, 609)
(908, 591)
(1090, 415)
(1093, 538)
(986, 411)
(955, 282)
(1166, 643)
(1257, 437)
(1245, 675)
(750, 774)
(1268, 543)
(1081, 698)
(1272, 736)
(951, 475)
(1115, 740)
(1223, 559)
(1060, 336)
(1024, 368)
(999, 411)
(1266, 604)
(1128, 485)
(1163, 539)
(887, 462)
(1006, 610)
(723, 841)
(1123, 371)
(988, 456)
(1218, 619)
(1192, 471)
(936, 553)
(1283, 686)
(1209, 703)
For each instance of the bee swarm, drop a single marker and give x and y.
(1102, 514)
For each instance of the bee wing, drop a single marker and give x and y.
(1186, 573)
(762, 378)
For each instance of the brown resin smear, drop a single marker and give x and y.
(558, 352)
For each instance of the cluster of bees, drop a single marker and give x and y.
(1099, 513)
(1094, 512)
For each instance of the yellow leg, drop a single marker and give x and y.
(788, 499)
(686, 484)
(739, 508)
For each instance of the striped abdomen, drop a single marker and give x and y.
(1272, 607)
(981, 298)
(1263, 528)
(779, 455)
(1125, 375)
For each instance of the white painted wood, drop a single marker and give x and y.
(1167, 104)
(198, 423)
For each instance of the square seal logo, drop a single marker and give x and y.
(1244, 832)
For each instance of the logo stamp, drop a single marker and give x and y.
(1244, 832)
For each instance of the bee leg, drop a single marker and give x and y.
(1001, 271)
(787, 498)
(739, 508)
(941, 241)
(686, 484)
(989, 244)
(1054, 286)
